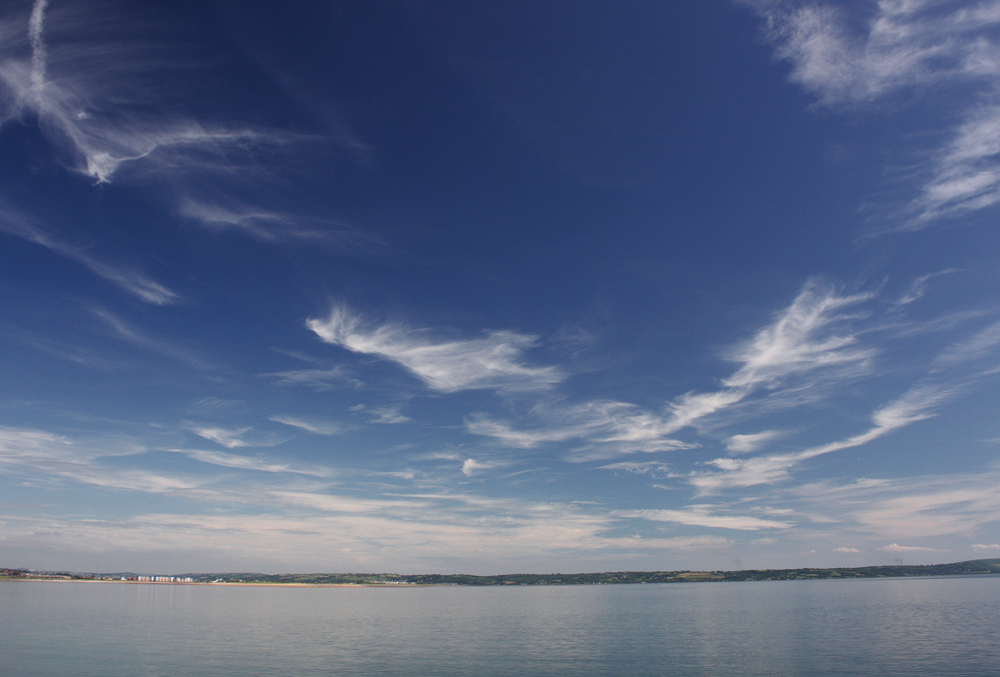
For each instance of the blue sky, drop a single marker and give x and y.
(497, 287)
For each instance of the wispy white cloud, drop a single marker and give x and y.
(493, 361)
(692, 407)
(15, 222)
(227, 437)
(855, 56)
(298, 355)
(983, 343)
(792, 347)
(318, 427)
(25, 444)
(928, 509)
(273, 226)
(480, 424)
(604, 428)
(388, 415)
(822, 339)
(124, 331)
(985, 546)
(40, 453)
(303, 516)
(217, 405)
(893, 547)
(804, 338)
(85, 357)
(745, 444)
(439, 456)
(911, 508)
(702, 516)
(850, 551)
(474, 466)
(630, 429)
(144, 481)
(890, 45)
(87, 93)
(915, 405)
(39, 52)
(965, 174)
(384, 414)
(364, 539)
(96, 461)
(654, 468)
(231, 438)
(226, 460)
(918, 288)
(87, 82)
(810, 342)
(320, 379)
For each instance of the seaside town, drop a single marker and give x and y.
(53, 575)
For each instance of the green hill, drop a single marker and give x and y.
(979, 566)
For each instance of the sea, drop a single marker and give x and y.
(872, 627)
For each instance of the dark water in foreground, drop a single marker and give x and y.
(911, 627)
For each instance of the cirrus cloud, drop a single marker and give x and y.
(493, 361)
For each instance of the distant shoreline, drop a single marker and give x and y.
(356, 580)
(233, 584)
(442, 585)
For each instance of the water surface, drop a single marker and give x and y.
(906, 627)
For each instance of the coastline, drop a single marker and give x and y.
(982, 567)
(238, 584)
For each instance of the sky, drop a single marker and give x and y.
(436, 286)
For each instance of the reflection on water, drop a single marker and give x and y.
(913, 627)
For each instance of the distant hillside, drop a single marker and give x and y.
(981, 566)
(970, 567)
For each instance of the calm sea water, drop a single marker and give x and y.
(911, 627)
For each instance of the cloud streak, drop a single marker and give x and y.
(15, 222)
(363, 540)
(320, 379)
(745, 444)
(305, 517)
(88, 84)
(606, 429)
(232, 438)
(38, 453)
(226, 460)
(493, 361)
(473, 466)
(39, 53)
(126, 332)
(893, 547)
(847, 58)
(897, 47)
(965, 173)
(803, 339)
(653, 468)
(701, 516)
(273, 226)
(317, 427)
(389, 415)
(87, 95)
(915, 405)
(808, 343)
